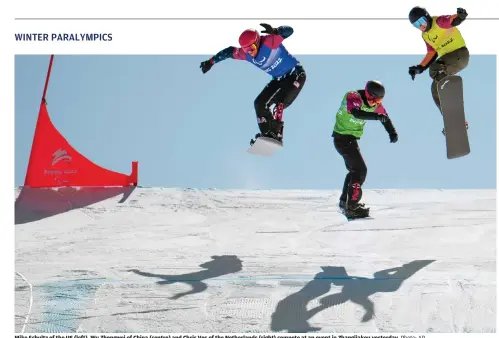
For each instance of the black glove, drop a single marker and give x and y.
(269, 29)
(206, 66)
(393, 137)
(414, 70)
(461, 13)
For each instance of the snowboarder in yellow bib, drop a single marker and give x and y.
(447, 53)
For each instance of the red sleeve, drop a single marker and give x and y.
(238, 54)
(272, 41)
(381, 110)
(353, 101)
(445, 21)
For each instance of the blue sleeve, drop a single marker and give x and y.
(285, 31)
(223, 55)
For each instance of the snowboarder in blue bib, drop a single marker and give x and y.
(269, 55)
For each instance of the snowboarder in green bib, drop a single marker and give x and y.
(357, 107)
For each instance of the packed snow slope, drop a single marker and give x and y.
(184, 260)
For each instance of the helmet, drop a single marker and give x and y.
(374, 90)
(419, 16)
(249, 37)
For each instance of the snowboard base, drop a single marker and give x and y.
(359, 218)
(265, 146)
(450, 92)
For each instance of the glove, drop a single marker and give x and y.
(269, 29)
(206, 66)
(461, 13)
(394, 138)
(415, 70)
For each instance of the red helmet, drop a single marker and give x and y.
(248, 38)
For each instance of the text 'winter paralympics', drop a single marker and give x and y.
(63, 37)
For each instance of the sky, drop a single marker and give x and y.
(192, 130)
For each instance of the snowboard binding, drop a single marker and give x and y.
(253, 140)
(269, 134)
(359, 211)
(356, 214)
(277, 125)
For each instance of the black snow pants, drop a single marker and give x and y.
(283, 91)
(348, 148)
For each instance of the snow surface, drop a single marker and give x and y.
(186, 260)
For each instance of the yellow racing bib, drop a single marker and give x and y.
(443, 40)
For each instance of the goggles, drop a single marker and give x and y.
(420, 22)
(250, 48)
(375, 100)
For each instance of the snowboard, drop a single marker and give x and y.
(450, 92)
(365, 215)
(355, 218)
(351, 219)
(264, 146)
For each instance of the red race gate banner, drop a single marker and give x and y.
(53, 162)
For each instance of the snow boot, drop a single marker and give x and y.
(356, 210)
